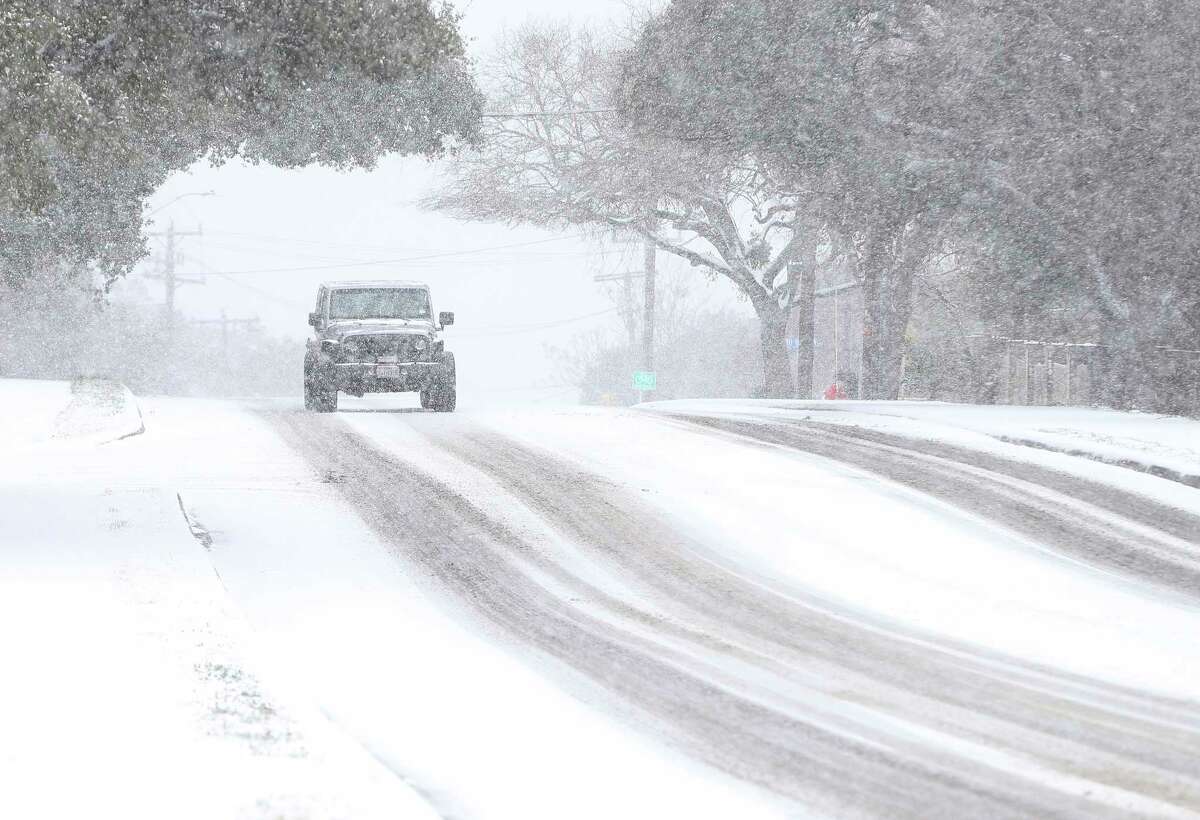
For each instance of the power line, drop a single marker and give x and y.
(515, 115)
(395, 261)
(289, 240)
(290, 304)
(512, 257)
(295, 240)
(301, 255)
(518, 329)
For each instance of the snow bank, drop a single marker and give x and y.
(99, 411)
(94, 410)
(1102, 445)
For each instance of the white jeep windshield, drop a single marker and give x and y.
(378, 303)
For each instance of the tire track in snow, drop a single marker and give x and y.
(1045, 706)
(893, 728)
(1093, 522)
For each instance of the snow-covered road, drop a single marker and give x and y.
(626, 613)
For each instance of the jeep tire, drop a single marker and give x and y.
(442, 395)
(320, 394)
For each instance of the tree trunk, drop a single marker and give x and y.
(887, 281)
(887, 307)
(1127, 362)
(805, 332)
(883, 346)
(987, 371)
(777, 370)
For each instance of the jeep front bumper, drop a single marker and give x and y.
(386, 377)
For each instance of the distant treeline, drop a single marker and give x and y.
(56, 330)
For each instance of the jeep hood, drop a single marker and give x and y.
(362, 327)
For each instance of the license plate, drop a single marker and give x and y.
(387, 371)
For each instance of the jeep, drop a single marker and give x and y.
(377, 337)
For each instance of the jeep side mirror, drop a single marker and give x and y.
(446, 317)
(314, 319)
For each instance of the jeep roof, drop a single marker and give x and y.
(373, 283)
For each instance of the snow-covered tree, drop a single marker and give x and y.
(101, 100)
(1053, 143)
(1080, 119)
(555, 153)
(817, 92)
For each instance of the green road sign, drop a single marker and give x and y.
(645, 380)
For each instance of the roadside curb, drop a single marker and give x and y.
(1157, 470)
(131, 400)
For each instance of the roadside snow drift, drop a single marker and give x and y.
(1106, 445)
(93, 410)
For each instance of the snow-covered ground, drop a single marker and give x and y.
(333, 687)
(206, 623)
(477, 732)
(798, 522)
(130, 685)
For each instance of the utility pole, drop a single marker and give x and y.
(628, 307)
(650, 267)
(226, 323)
(630, 311)
(171, 281)
(642, 365)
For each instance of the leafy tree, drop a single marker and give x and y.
(101, 100)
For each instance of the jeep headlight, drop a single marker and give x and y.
(421, 343)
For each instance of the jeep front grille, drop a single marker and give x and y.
(385, 348)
